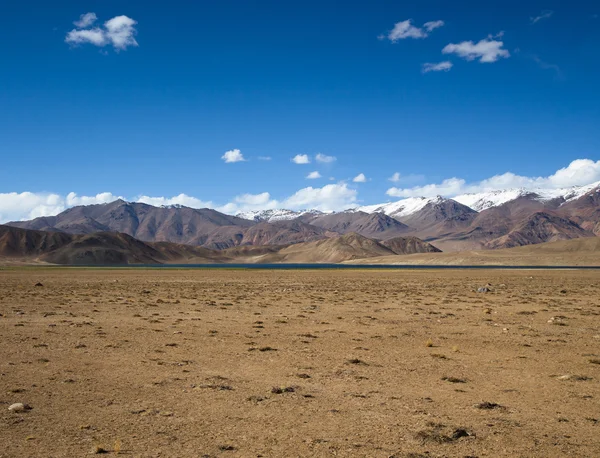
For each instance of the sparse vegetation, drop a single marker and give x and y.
(180, 378)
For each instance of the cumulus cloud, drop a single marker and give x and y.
(330, 197)
(119, 32)
(487, 50)
(395, 178)
(360, 178)
(432, 25)
(325, 159)
(301, 159)
(313, 175)
(543, 15)
(405, 29)
(439, 67)
(73, 199)
(85, 20)
(249, 202)
(28, 205)
(181, 199)
(234, 155)
(578, 173)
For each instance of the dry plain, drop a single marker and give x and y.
(289, 363)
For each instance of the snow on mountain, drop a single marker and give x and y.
(406, 207)
(484, 200)
(275, 215)
(401, 208)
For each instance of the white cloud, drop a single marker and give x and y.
(449, 187)
(325, 159)
(28, 205)
(330, 197)
(313, 175)
(439, 67)
(94, 36)
(73, 199)
(360, 178)
(405, 29)
(264, 158)
(301, 159)
(395, 178)
(543, 15)
(119, 32)
(487, 50)
(254, 199)
(181, 199)
(578, 173)
(85, 20)
(432, 25)
(234, 155)
(249, 202)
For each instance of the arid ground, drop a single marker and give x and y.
(288, 363)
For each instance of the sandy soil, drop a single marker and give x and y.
(193, 363)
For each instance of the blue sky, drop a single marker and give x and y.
(148, 104)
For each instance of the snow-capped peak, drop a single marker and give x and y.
(484, 200)
(402, 208)
(280, 214)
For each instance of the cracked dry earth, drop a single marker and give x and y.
(288, 363)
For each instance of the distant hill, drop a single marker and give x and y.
(482, 221)
(574, 252)
(112, 248)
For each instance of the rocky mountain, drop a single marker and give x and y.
(270, 216)
(575, 252)
(484, 200)
(375, 225)
(101, 248)
(402, 208)
(409, 245)
(175, 224)
(472, 221)
(585, 210)
(539, 228)
(348, 247)
(440, 217)
(113, 248)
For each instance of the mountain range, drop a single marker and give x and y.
(114, 248)
(493, 220)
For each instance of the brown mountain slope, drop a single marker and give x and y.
(438, 218)
(575, 252)
(111, 248)
(347, 247)
(144, 222)
(344, 248)
(539, 228)
(16, 242)
(512, 224)
(409, 245)
(585, 211)
(374, 225)
(103, 248)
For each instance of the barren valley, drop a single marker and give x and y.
(281, 363)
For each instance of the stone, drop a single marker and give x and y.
(19, 407)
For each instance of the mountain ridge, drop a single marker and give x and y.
(448, 223)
